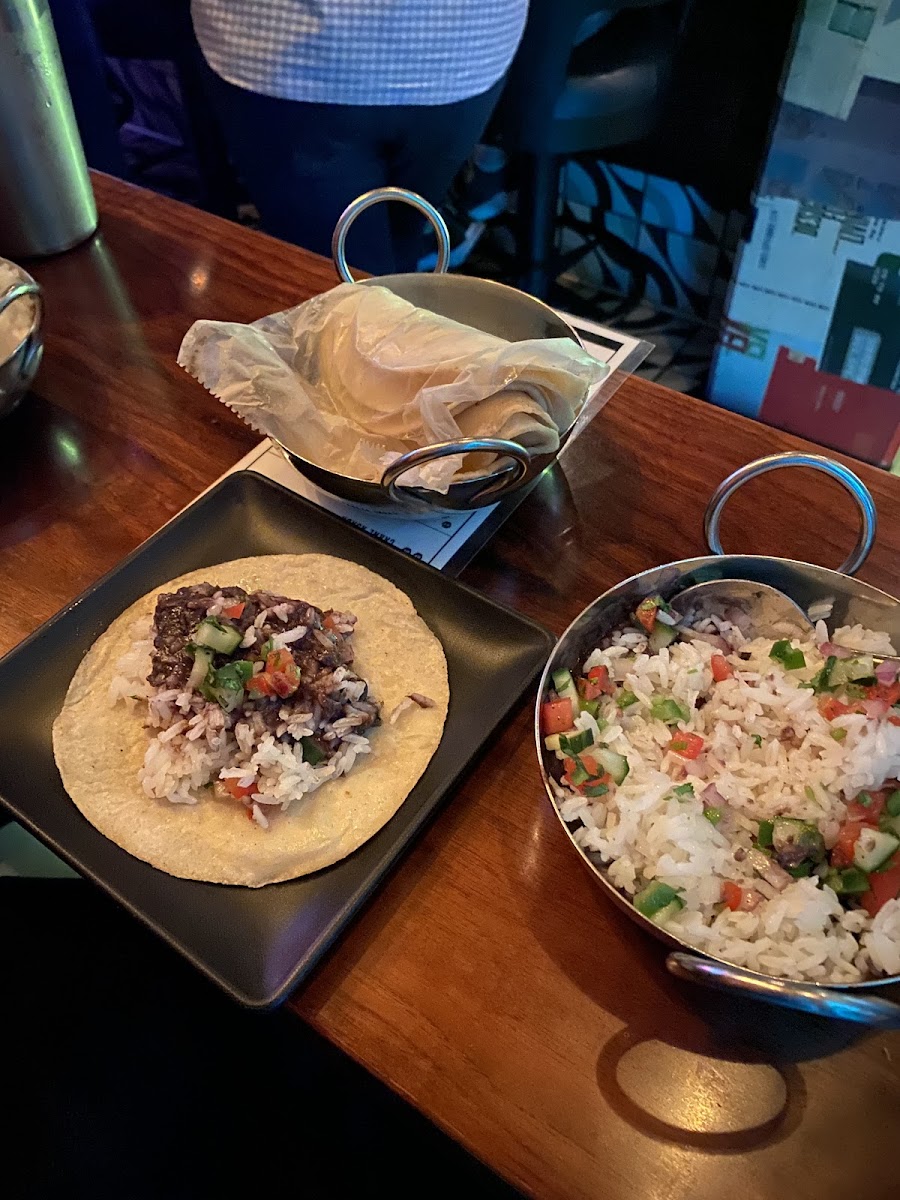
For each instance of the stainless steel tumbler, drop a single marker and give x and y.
(46, 200)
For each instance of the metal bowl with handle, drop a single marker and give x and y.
(19, 367)
(853, 602)
(484, 305)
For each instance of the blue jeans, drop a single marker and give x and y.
(303, 163)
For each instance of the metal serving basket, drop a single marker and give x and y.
(18, 369)
(481, 303)
(853, 602)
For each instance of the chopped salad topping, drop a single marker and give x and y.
(860, 862)
(270, 671)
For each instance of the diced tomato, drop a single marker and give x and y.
(234, 611)
(842, 851)
(597, 775)
(686, 745)
(279, 660)
(285, 683)
(883, 886)
(587, 761)
(830, 707)
(893, 720)
(867, 814)
(234, 789)
(646, 613)
(888, 692)
(721, 668)
(600, 675)
(260, 685)
(740, 899)
(329, 622)
(589, 689)
(557, 716)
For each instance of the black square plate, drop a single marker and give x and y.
(256, 943)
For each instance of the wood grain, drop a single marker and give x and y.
(489, 982)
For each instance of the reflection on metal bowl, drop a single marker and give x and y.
(19, 366)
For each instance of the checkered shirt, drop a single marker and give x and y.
(361, 52)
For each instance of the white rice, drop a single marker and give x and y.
(769, 752)
(191, 745)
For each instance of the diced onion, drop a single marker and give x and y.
(886, 672)
(832, 650)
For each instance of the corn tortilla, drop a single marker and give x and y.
(99, 749)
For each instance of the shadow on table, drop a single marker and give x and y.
(580, 513)
(692, 1066)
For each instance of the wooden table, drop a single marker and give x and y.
(490, 982)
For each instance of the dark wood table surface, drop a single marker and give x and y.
(490, 982)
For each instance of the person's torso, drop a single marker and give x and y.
(361, 51)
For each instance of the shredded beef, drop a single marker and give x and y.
(316, 654)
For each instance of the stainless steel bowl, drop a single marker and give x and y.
(805, 583)
(18, 369)
(483, 304)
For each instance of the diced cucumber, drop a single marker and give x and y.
(668, 710)
(234, 675)
(801, 871)
(764, 834)
(203, 657)
(873, 848)
(850, 670)
(820, 681)
(311, 752)
(566, 689)
(860, 668)
(849, 882)
(893, 803)
(684, 791)
(223, 639)
(626, 699)
(562, 679)
(661, 635)
(594, 790)
(551, 741)
(579, 774)
(226, 686)
(654, 898)
(793, 841)
(615, 764)
(576, 741)
(790, 658)
(664, 915)
(592, 707)
(889, 824)
(713, 815)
